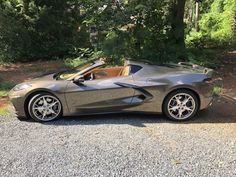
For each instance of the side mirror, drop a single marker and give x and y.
(78, 79)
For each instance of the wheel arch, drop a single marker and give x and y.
(182, 88)
(35, 92)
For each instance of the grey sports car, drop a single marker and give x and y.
(177, 90)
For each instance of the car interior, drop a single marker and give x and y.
(102, 73)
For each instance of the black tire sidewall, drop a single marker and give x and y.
(168, 97)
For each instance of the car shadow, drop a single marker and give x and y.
(223, 110)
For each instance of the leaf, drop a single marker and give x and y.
(140, 7)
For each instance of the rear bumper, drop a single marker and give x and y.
(205, 91)
(206, 102)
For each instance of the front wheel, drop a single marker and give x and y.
(181, 105)
(44, 107)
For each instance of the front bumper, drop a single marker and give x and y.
(18, 103)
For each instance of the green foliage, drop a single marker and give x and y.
(14, 37)
(5, 87)
(197, 39)
(42, 29)
(137, 29)
(74, 63)
(36, 29)
(217, 27)
(4, 111)
(217, 91)
(140, 29)
(204, 57)
(84, 55)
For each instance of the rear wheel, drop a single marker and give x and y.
(181, 105)
(44, 107)
(22, 118)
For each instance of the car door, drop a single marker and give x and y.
(102, 95)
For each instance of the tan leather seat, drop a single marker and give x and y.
(125, 71)
(102, 73)
(111, 72)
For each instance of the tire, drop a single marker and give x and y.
(181, 105)
(44, 107)
(22, 118)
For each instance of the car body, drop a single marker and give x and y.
(134, 87)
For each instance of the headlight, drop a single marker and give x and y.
(21, 87)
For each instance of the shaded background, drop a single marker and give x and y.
(161, 31)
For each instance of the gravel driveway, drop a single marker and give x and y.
(122, 145)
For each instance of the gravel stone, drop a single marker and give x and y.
(119, 145)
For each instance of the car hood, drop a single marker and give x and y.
(47, 77)
(47, 82)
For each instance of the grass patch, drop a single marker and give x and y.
(5, 87)
(4, 111)
(217, 91)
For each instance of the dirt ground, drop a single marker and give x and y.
(20, 72)
(3, 103)
(228, 74)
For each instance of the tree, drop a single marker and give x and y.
(33, 29)
(197, 15)
(177, 23)
(150, 29)
(217, 25)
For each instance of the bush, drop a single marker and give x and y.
(31, 30)
(217, 91)
(204, 57)
(84, 55)
(14, 38)
(5, 87)
(196, 39)
(217, 27)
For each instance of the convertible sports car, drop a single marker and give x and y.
(177, 90)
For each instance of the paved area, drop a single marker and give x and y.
(122, 145)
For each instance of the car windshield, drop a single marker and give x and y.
(70, 73)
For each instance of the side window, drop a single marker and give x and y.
(134, 69)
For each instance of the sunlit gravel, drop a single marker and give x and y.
(118, 145)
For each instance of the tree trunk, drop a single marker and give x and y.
(178, 22)
(197, 16)
(26, 6)
(191, 16)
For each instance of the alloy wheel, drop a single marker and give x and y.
(45, 107)
(181, 106)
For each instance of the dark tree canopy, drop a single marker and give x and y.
(149, 29)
